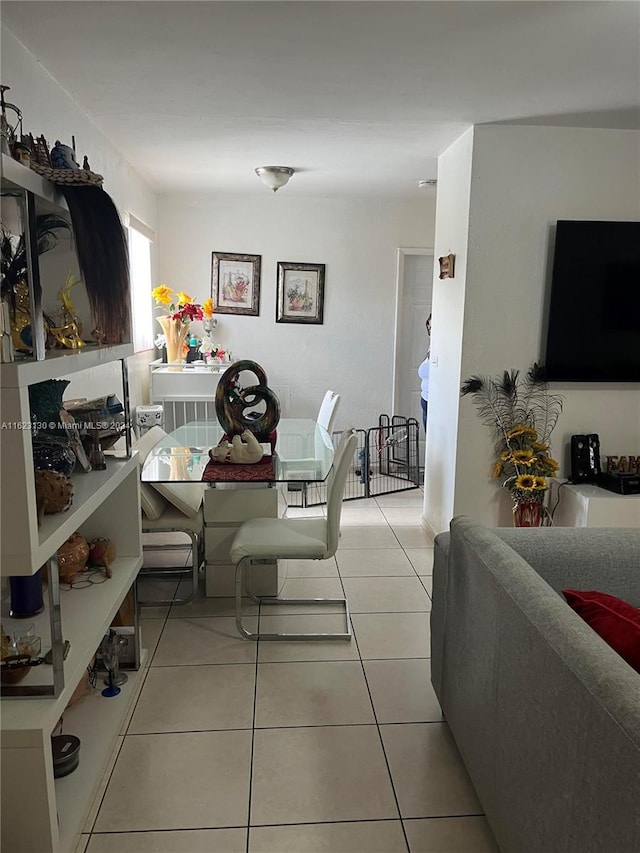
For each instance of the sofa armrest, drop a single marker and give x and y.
(438, 608)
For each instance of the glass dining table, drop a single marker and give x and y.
(234, 493)
(303, 453)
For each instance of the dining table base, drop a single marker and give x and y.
(225, 509)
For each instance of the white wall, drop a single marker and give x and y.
(48, 109)
(452, 223)
(352, 351)
(523, 179)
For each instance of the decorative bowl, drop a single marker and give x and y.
(51, 453)
(13, 668)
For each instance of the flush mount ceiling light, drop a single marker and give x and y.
(274, 177)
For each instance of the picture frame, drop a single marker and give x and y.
(300, 293)
(235, 283)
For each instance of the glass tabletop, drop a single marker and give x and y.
(303, 452)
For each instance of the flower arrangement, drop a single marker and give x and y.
(179, 306)
(180, 310)
(521, 413)
(211, 350)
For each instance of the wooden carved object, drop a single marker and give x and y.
(54, 492)
(72, 557)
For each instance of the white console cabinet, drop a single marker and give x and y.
(591, 506)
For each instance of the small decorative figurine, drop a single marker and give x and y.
(69, 333)
(63, 156)
(102, 552)
(243, 450)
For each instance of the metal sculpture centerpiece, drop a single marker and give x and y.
(236, 405)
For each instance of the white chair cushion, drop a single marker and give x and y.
(172, 519)
(152, 503)
(288, 538)
(186, 497)
(145, 444)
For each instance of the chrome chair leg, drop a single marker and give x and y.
(197, 559)
(268, 599)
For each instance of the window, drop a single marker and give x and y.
(140, 240)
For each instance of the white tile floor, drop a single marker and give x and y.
(301, 747)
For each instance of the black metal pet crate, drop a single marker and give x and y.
(386, 460)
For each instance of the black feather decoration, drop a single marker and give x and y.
(472, 385)
(103, 256)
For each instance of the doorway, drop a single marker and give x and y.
(414, 286)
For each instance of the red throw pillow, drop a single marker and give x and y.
(616, 621)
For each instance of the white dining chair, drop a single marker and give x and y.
(171, 508)
(326, 418)
(328, 411)
(262, 540)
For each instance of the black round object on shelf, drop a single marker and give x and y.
(66, 754)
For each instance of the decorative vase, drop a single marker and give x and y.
(45, 401)
(26, 595)
(175, 334)
(528, 514)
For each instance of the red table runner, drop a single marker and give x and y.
(262, 471)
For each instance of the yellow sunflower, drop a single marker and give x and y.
(506, 456)
(526, 482)
(539, 447)
(548, 465)
(497, 470)
(540, 483)
(524, 457)
(521, 430)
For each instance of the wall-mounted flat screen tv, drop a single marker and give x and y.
(593, 332)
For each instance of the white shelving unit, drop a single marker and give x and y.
(40, 814)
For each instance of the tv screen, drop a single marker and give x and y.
(593, 332)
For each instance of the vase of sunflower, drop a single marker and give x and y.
(521, 413)
(181, 310)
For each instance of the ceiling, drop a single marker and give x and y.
(359, 97)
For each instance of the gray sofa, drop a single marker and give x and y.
(545, 714)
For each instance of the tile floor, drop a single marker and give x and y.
(238, 747)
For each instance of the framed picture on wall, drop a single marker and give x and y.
(235, 283)
(300, 293)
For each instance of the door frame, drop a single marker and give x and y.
(400, 262)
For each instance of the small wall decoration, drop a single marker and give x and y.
(623, 464)
(300, 293)
(447, 264)
(235, 283)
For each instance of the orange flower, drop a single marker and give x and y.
(207, 307)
